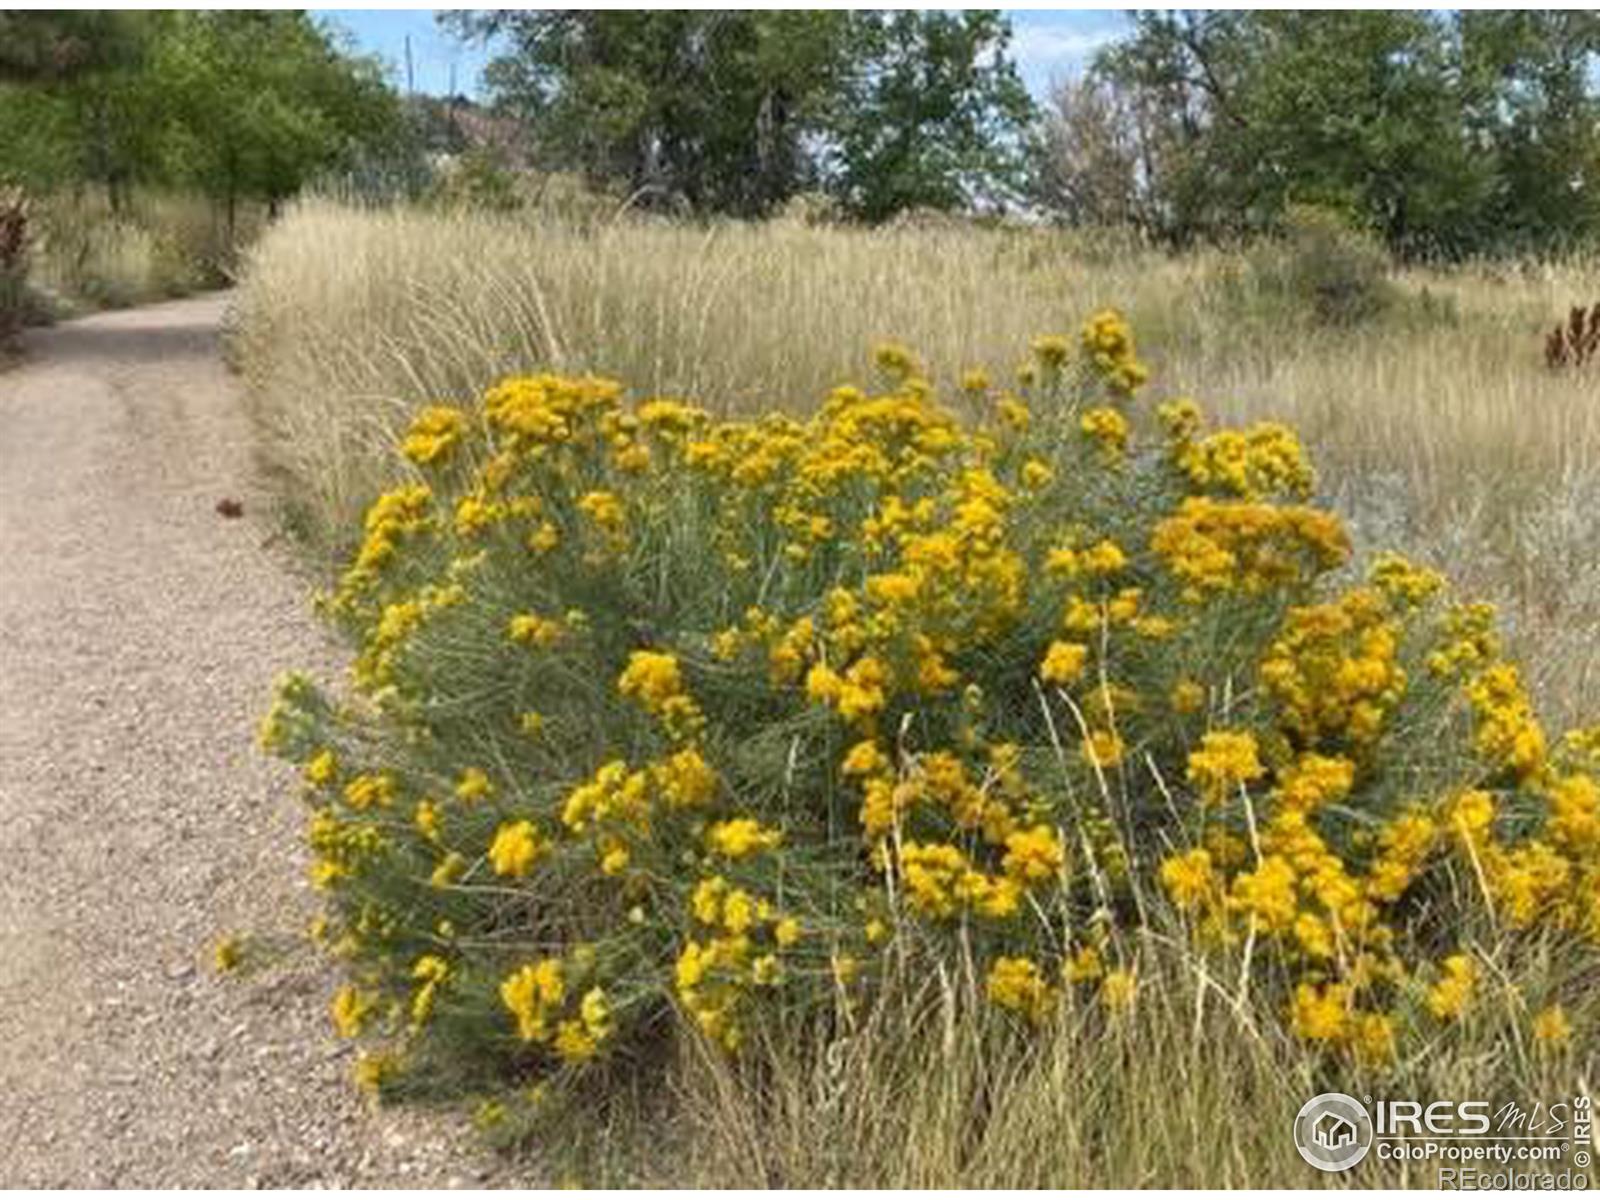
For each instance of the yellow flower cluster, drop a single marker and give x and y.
(741, 837)
(1108, 345)
(1325, 1014)
(530, 629)
(1448, 998)
(1334, 894)
(1334, 668)
(1262, 461)
(940, 881)
(1224, 763)
(614, 807)
(515, 849)
(1063, 662)
(1108, 427)
(538, 996)
(1508, 732)
(656, 711)
(1247, 546)
(395, 517)
(737, 949)
(433, 434)
(1017, 984)
(655, 681)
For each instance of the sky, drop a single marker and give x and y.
(1047, 45)
(1050, 45)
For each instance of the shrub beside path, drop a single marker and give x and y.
(139, 634)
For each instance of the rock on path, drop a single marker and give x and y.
(139, 635)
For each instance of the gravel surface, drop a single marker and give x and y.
(140, 631)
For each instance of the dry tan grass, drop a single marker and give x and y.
(1196, 1086)
(161, 245)
(1439, 428)
(388, 308)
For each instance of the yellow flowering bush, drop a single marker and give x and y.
(656, 711)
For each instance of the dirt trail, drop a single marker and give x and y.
(139, 634)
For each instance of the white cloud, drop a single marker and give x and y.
(1047, 50)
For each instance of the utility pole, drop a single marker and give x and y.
(411, 83)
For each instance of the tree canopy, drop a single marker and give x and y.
(237, 103)
(737, 111)
(48, 46)
(1442, 132)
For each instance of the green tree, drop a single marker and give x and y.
(1362, 112)
(40, 139)
(239, 104)
(259, 102)
(1441, 132)
(1353, 111)
(737, 111)
(1184, 72)
(75, 98)
(47, 47)
(712, 107)
(1532, 102)
(932, 115)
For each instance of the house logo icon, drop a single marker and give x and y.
(1333, 1131)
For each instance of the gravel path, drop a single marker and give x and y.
(139, 634)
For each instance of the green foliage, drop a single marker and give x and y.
(932, 115)
(99, 123)
(13, 263)
(40, 140)
(712, 106)
(479, 179)
(241, 107)
(48, 46)
(1534, 102)
(238, 104)
(1444, 133)
(738, 111)
(1320, 265)
(263, 101)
